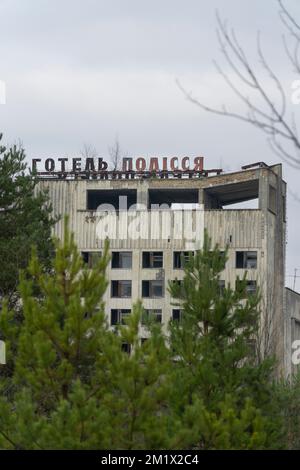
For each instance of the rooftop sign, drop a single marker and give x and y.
(132, 168)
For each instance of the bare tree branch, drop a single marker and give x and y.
(292, 24)
(293, 28)
(262, 109)
(115, 154)
(114, 151)
(88, 151)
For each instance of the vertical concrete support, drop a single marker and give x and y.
(271, 202)
(263, 191)
(279, 277)
(142, 194)
(201, 196)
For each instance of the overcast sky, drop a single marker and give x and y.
(84, 71)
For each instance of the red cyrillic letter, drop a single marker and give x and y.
(198, 162)
(185, 166)
(140, 164)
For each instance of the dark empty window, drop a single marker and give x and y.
(176, 314)
(152, 315)
(121, 259)
(121, 288)
(239, 259)
(152, 259)
(120, 199)
(246, 260)
(118, 316)
(170, 196)
(180, 258)
(152, 288)
(91, 258)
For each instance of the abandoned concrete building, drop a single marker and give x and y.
(147, 249)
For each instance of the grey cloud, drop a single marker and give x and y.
(83, 70)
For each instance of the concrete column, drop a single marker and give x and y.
(263, 192)
(142, 193)
(201, 196)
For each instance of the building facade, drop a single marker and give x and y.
(148, 246)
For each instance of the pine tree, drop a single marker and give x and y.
(73, 385)
(25, 219)
(139, 404)
(219, 384)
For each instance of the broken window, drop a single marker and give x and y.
(118, 316)
(152, 314)
(152, 259)
(121, 288)
(246, 260)
(180, 258)
(91, 258)
(121, 259)
(152, 288)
